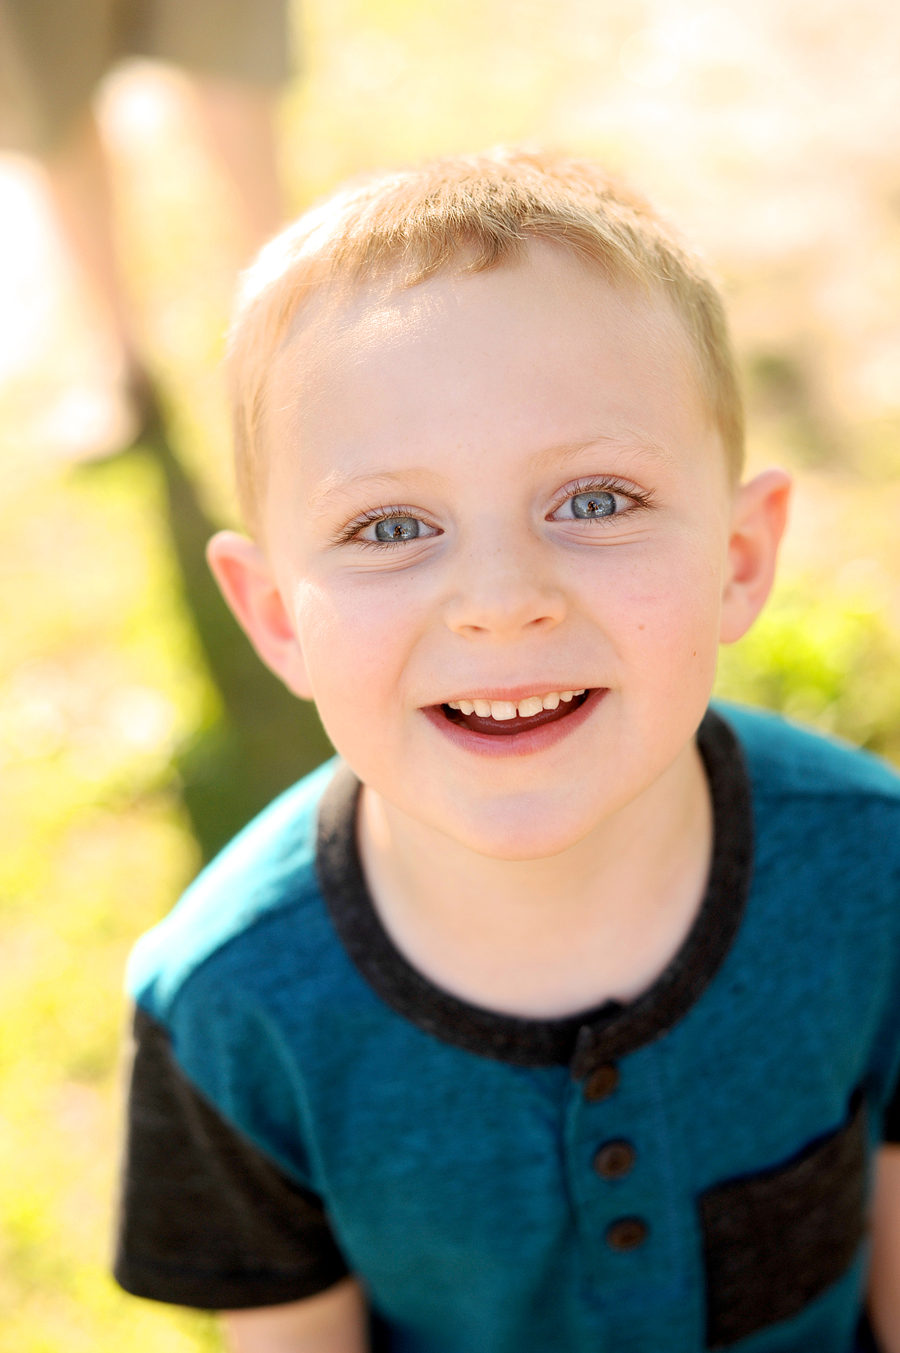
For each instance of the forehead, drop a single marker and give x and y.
(513, 361)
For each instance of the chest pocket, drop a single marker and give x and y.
(773, 1241)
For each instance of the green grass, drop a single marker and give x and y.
(100, 682)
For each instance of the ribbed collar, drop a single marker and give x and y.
(584, 1040)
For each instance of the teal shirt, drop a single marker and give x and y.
(463, 1160)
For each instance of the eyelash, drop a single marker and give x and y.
(353, 530)
(604, 484)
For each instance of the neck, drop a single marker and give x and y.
(547, 937)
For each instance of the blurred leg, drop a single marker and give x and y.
(239, 123)
(80, 186)
(81, 190)
(239, 120)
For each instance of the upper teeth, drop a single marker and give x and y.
(507, 709)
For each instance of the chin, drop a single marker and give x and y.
(520, 833)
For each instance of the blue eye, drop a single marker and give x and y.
(597, 503)
(394, 529)
(388, 526)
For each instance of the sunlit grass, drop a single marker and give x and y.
(99, 682)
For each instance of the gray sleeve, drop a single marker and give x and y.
(206, 1219)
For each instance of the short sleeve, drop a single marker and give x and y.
(206, 1218)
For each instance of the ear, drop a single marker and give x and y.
(757, 525)
(243, 573)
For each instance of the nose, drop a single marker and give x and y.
(503, 597)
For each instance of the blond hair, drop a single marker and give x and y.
(469, 213)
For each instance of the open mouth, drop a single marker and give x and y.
(502, 718)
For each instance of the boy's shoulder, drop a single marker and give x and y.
(260, 887)
(786, 760)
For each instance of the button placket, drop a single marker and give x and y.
(614, 1160)
(630, 1227)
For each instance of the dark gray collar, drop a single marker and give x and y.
(584, 1041)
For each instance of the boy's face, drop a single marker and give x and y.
(496, 488)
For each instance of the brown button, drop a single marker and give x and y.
(627, 1233)
(602, 1081)
(614, 1159)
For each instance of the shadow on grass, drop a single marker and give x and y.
(265, 738)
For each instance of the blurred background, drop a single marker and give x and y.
(136, 732)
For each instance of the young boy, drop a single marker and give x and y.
(560, 1014)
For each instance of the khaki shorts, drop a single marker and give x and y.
(53, 52)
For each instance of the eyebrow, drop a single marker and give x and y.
(628, 440)
(338, 484)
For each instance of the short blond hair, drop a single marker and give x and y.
(470, 214)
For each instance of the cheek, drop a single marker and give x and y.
(355, 640)
(663, 611)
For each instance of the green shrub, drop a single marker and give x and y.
(824, 653)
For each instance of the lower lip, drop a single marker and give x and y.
(515, 744)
